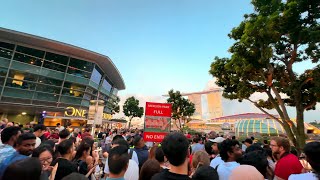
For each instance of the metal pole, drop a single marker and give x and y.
(95, 110)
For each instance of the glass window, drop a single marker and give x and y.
(89, 97)
(57, 58)
(30, 51)
(20, 84)
(54, 66)
(51, 73)
(91, 91)
(70, 100)
(3, 71)
(48, 89)
(79, 73)
(1, 81)
(76, 79)
(106, 85)
(103, 97)
(5, 53)
(85, 103)
(50, 81)
(16, 94)
(72, 92)
(73, 86)
(27, 59)
(22, 76)
(6, 45)
(115, 91)
(25, 67)
(96, 76)
(45, 97)
(81, 64)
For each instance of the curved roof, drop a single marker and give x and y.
(243, 116)
(103, 61)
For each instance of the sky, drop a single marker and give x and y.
(156, 45)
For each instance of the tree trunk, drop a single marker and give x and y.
(129, 122)
(180, 127)
(301, 135)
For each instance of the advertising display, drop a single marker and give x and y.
(157, 121)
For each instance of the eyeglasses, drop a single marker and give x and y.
(48, 160)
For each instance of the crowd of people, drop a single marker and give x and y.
(42, 153)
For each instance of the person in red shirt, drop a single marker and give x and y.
(288, 163)
(86, 134)
(54, 136)
(47, 133)
(188, 135)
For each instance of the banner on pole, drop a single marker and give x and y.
(157, 121)
(99, 115)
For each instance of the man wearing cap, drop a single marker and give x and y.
(217, 160)
(141, 149)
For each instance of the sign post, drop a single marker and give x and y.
(157, 121)
(95, 114)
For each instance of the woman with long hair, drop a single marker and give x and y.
(62, 165)
(83, 152)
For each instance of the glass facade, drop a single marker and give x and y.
(262, 126)
(37, 77)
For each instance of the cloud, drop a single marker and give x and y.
(230, 107)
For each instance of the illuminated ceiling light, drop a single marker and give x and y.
(23, 113)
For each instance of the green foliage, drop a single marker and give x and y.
(113, 105)
(186, 129)
(131, 109)
(268, 43)
(182, 109)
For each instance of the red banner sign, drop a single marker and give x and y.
(158, 109)
(154, 136)
(157, 121)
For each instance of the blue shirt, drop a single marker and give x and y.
(143, 155)
(8, 155)
(197, 147)
(122, 178)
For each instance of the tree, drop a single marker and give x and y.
(268, 44)
(113, 105)
(182, 109)
(131, 109)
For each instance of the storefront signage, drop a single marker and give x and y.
(157, 121)
(82, 113)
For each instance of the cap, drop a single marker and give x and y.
(217, 140)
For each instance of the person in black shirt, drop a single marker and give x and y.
(175, 147)
(64, 165)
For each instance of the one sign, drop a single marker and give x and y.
(82, 113)
(157, 121)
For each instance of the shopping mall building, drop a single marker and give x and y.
(50, 81)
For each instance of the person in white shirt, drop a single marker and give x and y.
(132, 172)
(217, 160)
(59, 127)
(230, 152)
(38, 131)
(312, 151)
